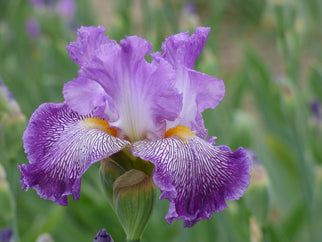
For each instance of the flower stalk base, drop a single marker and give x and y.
(131, 194)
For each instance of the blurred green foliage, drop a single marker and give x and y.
(269, 55)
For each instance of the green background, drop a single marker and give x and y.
(269, 55)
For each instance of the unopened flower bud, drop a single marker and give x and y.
(134, 195)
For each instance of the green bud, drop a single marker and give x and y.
(134, 194)
(44, 238)
(242, 126)
(257, 195)
(109, 172)
(6, 201)
(9, 109)
(3, 181)
(12, 122)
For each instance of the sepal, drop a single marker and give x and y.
(109, 172)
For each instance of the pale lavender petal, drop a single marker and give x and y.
(89, 39)
(84, 96)
(143, 94)
(199, 90)
(195, 176)
(61, 146)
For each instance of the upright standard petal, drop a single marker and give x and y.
(195, 176)
(61, 145)
(89, 39)
(143, 94)
(199, 90)
(182, 49)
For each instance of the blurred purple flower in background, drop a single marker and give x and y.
(5, 93)
(189, 17)
(315, 118)
(189, 8)
(33, 28)
(6, 235)
(42, 2)
(316, 109)
(122, 103)
(8, 104)
(103, 236)
(66, 8)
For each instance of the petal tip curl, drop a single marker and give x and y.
(89, 39)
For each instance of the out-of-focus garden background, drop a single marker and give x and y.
(267, 52)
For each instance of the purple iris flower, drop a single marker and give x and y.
(119, 101)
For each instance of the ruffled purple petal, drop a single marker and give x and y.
(61, 146)
(89, 39)
(143, 94)
(182, 49)
(195, 176)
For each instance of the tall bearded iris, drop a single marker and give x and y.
(120, 102)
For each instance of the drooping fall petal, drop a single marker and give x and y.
(61, 145)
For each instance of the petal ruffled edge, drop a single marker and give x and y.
(61, 145)
(196, 177)
(182, 49)
(89, 39)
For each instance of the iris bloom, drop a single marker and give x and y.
(119, 101)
